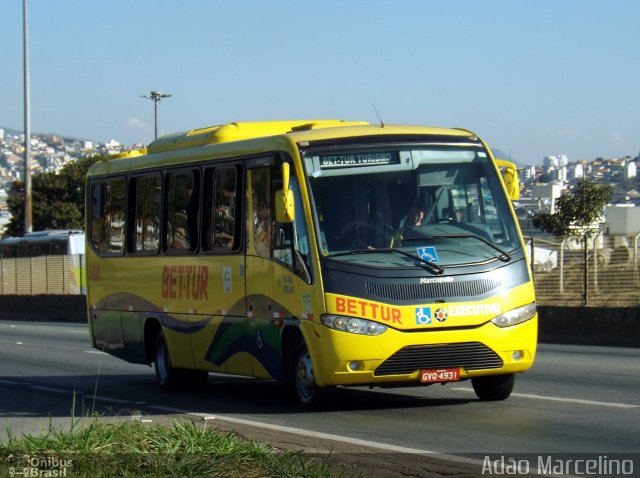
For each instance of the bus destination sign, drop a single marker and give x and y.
(370, 158)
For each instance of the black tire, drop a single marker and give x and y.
(494, 387)
(306, 392)
(166, 375)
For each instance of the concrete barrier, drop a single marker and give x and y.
(557, 325)
(55, 308)
(616, 326)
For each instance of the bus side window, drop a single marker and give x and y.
(108, 216)
(282, 243)
(57, 248)
(300, 236)
(97, 213)
(262, 214)
(221, 186)
(147, 214)
(182, 206)
(291, 241)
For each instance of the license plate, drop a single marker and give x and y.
(440, 375)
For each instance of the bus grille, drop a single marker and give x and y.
(439, 290)
(468, 355)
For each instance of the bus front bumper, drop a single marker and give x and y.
(401, 357)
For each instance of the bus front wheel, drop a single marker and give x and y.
(306, 391)
(494, 387)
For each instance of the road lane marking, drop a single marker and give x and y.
(162, 408)
(11, 382)
(43, 388)
(107, 399)
(562, 399)
(48, 389)
(319, 435)
(96, 352)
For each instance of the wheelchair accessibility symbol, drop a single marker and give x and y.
(428, 254)
(423, 316)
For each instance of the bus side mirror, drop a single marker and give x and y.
(285, 205)
(510, 178)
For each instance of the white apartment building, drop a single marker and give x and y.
(556, 166)
(528, 173)
(576, 170)
(557, 161)
(630, 169)
(545, 195)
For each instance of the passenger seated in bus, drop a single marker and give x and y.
(224, 223)
(183, 225)
(263, 224)
(192, 220)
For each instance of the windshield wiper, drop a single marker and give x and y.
(430, 266)
(504, 255)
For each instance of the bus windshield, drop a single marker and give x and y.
(402, 206)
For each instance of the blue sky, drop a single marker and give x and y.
(533, 78)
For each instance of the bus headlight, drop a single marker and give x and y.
(515, 316)
(353, 325)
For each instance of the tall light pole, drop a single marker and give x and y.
(28, 225)
(155, 96)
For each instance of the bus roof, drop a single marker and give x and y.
(256, 137)
(42, 236)
(72, 237)
(239, 131)
(53, 232)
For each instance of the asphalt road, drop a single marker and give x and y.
(575, 399)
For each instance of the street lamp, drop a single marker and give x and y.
(155, 96)
(28, 206)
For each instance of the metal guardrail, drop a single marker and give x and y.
(609, 277)
(613, 273)
(48, 275)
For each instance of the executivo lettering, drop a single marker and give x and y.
(474, 310)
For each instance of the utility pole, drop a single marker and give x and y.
(28, 224)
(155, 96)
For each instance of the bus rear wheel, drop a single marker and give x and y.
(494, 387)
(167, 375)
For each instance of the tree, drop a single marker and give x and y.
(578, 216)
(58, 199)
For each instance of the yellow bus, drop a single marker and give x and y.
(318, 253)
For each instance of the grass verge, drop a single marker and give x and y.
(134, 449)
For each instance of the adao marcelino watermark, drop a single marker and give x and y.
(621, 465)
